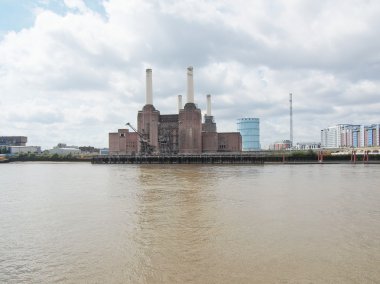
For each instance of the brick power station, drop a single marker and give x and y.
(182, 133)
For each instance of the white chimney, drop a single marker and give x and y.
(179, 102)
(190, 85)
(149, 91)
(208, 105)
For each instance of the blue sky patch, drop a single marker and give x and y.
(17, 15)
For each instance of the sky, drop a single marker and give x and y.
(71, 71)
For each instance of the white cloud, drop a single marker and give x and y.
(76, 4)
(75, 77)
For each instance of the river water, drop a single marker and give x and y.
(83, 223)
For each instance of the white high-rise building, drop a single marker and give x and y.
(330, 137)
(349, 135)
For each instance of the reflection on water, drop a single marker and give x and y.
(70, 222)
(177, 223)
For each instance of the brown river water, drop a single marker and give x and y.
(83, 223)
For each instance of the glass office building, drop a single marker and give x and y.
(249, 129)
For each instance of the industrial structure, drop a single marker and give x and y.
(288, 144)
(291, 119)
(180, 133)
(249, 129)
(350, 135)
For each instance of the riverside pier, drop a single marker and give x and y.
(259, 157)
(180, 159)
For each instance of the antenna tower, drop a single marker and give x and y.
(291, 119)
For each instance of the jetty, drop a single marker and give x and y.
(179, 159)
(259, 157)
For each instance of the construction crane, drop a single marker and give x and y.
(166, 140)
(145, 148)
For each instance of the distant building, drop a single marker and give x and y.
(249, 129)
(307, 145)
(331, 136)
(17, 145)
(64, 145)
(13, 140)
(64, 151)
(281, 145)
(123, 142)
(179, 133)
(229, 142)
(104, 151)
(88, 150)
(24, 149)
(350, 135)
(4, 150)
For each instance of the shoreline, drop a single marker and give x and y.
(242, 159)
(295, 163)
(253, 159)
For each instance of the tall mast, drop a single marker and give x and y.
(291, 119)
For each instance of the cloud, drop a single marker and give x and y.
(76, 5)
(36, 115)
(75, 75)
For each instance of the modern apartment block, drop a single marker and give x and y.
(350, 135)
